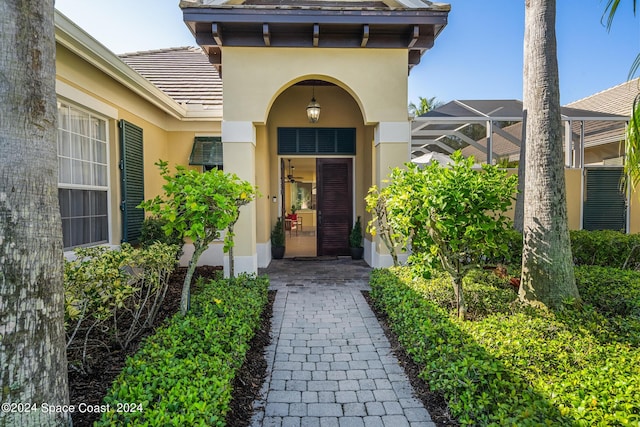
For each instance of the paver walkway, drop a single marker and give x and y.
(329, 362)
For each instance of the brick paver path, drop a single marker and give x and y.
(329, 363)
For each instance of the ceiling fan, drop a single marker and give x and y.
(290, 176)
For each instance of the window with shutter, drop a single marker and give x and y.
(132, 179)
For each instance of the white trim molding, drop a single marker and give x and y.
(238, 131)
(393, 132)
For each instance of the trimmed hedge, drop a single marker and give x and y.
(183, 374)
(605, 248)
(522, 366)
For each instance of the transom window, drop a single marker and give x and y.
(82, 176)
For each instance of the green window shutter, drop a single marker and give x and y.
(132, 179)
(316, 141)
(206, 151)
(605, 205)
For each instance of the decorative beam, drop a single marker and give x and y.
(216, 33)
(266, 35)
(316, 34)
(415, 36)
(365, 35)
(414, 57)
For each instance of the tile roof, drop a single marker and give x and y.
(615, 100)
(183, 73)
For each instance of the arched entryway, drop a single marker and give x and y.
(322, 166)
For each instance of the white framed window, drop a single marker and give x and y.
(83, 176)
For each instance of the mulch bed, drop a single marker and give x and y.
(92, 388)
(433, 402)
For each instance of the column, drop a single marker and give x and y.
(239, 157)
(392, 149)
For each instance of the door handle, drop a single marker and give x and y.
(319, 218)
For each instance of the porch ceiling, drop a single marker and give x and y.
(337, 24)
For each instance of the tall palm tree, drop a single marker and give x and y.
(547, 265)
(424, 106)
(632, 137)
(32, 339)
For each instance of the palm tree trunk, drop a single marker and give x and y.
(547, 267)
(32, 338)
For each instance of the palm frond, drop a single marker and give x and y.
(612, 8)
(634, 67)
(632, 147)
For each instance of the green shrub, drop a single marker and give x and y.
(485, 292)
(183, 374)
(152, 231)
(522, 366)
(605, 248)
(612, 291)
(111, 296)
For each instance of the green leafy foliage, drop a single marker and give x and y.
(454, 216)
(612, 291)
(515, 364)
(153, 230)
(111, 296)
(379, 224)
(199, 206)
(355, 236)
(277, 234)
(183, 374)
(605, 248)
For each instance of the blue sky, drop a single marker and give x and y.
(477, 56)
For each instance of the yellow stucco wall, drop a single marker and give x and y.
(634, 212)
(371, 87)
(574, 197)
(573, 178)
(375, 78)
(164, 136)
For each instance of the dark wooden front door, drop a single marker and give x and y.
(335, 205)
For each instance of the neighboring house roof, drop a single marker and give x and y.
(183, 73)
(615, 100)
(449, 119)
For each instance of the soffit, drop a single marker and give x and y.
(409, 24)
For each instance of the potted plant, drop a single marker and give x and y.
(355, 241)
(277, 239)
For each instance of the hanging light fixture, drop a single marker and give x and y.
(313, 109)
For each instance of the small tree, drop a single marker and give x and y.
(379, 224)
(198, 206)
(454, 215)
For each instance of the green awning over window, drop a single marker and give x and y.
(206, 151)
